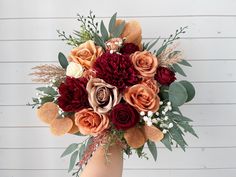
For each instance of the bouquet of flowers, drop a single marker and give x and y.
(115, 89)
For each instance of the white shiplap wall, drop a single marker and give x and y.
(28, 38)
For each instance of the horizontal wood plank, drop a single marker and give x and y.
(53, 8)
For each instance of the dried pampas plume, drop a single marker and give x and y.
(46, 73)
(170, 56)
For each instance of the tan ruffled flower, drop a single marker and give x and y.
(90, 122)
(85, 54)
(102, 96)
(145, 62)
(142, 98)
(152, 84)
(114, 44)
(132, 32)
(61, 126)
(48, 112)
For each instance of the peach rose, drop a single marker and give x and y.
(142, 98)
(85, 54)
(152, 84)
(145, 62)
(90, 122)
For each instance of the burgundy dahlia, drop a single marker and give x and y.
(165, 76)
(129, 48)
(73, 95)
(116, 69)
(124, 116)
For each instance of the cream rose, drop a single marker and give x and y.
(102, 96)
(145, 62)
(85, 54)
(90, 122)
(74, 70)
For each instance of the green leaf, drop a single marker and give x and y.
(47, 90)
(104, 31)
(73, 160)
(112, 23)
(46, 99)
(179, 118)
(177, 94)
(145, 45)
(167, 141)
(164, 95)
(140, 151)
(153, 44)
(78, 134)
(177, 136)
(178, 69)
(71, 148)
(176, 109)
(153, 149)
(62, 60)
(118, 30)
(189, 88)
(98, 40)
(81, 151)
(160, 50)
(187, 128)
(185, 63)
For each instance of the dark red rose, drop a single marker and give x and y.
(129, 48)
(116, 69)
(73, 95)
(165, 76)
(124, 116)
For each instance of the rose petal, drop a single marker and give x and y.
(152, 133)
(61, 126)
(48, 112)
(135, 137)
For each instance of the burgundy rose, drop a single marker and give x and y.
(73, 95)
(129, 48)
(124, 116)
(165, 76)
(116, 69)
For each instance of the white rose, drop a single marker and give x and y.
(74, 70)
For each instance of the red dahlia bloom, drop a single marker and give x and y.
(116, 69)
(73, 95)
(129, 48)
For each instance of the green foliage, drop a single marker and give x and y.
(62, 60)
(73, 159)
(99, 41)
(153, 149)
(177, 94)
(167, 141)
(104, 32)
(149, 47)
(47, 90)
(118, 30)
(71, 148)
(185, 63)
(112, 23)
(178, 69)
(189, 88)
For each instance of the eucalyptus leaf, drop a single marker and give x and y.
(187, 128)
(189, 88)
(98, 40)
(164, 92)
(71, 148)
(140, 151)
(62, 60)
(177, 94)
(160, 50)
(73, 159)
(104, 32)
(153, 149)
(145, 45)
(178, 69)
(118, 30)
(153, 44)
(167, 141)
(179, 118)
(176, 109)
(185, 63)
(46, 99)
(178, 137)
(112, 23)
(47, 90)
(81, 151)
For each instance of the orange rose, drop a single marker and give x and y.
(142, 98)
(145, 62)
(90, 122)
(152, 84)
(85, 54)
